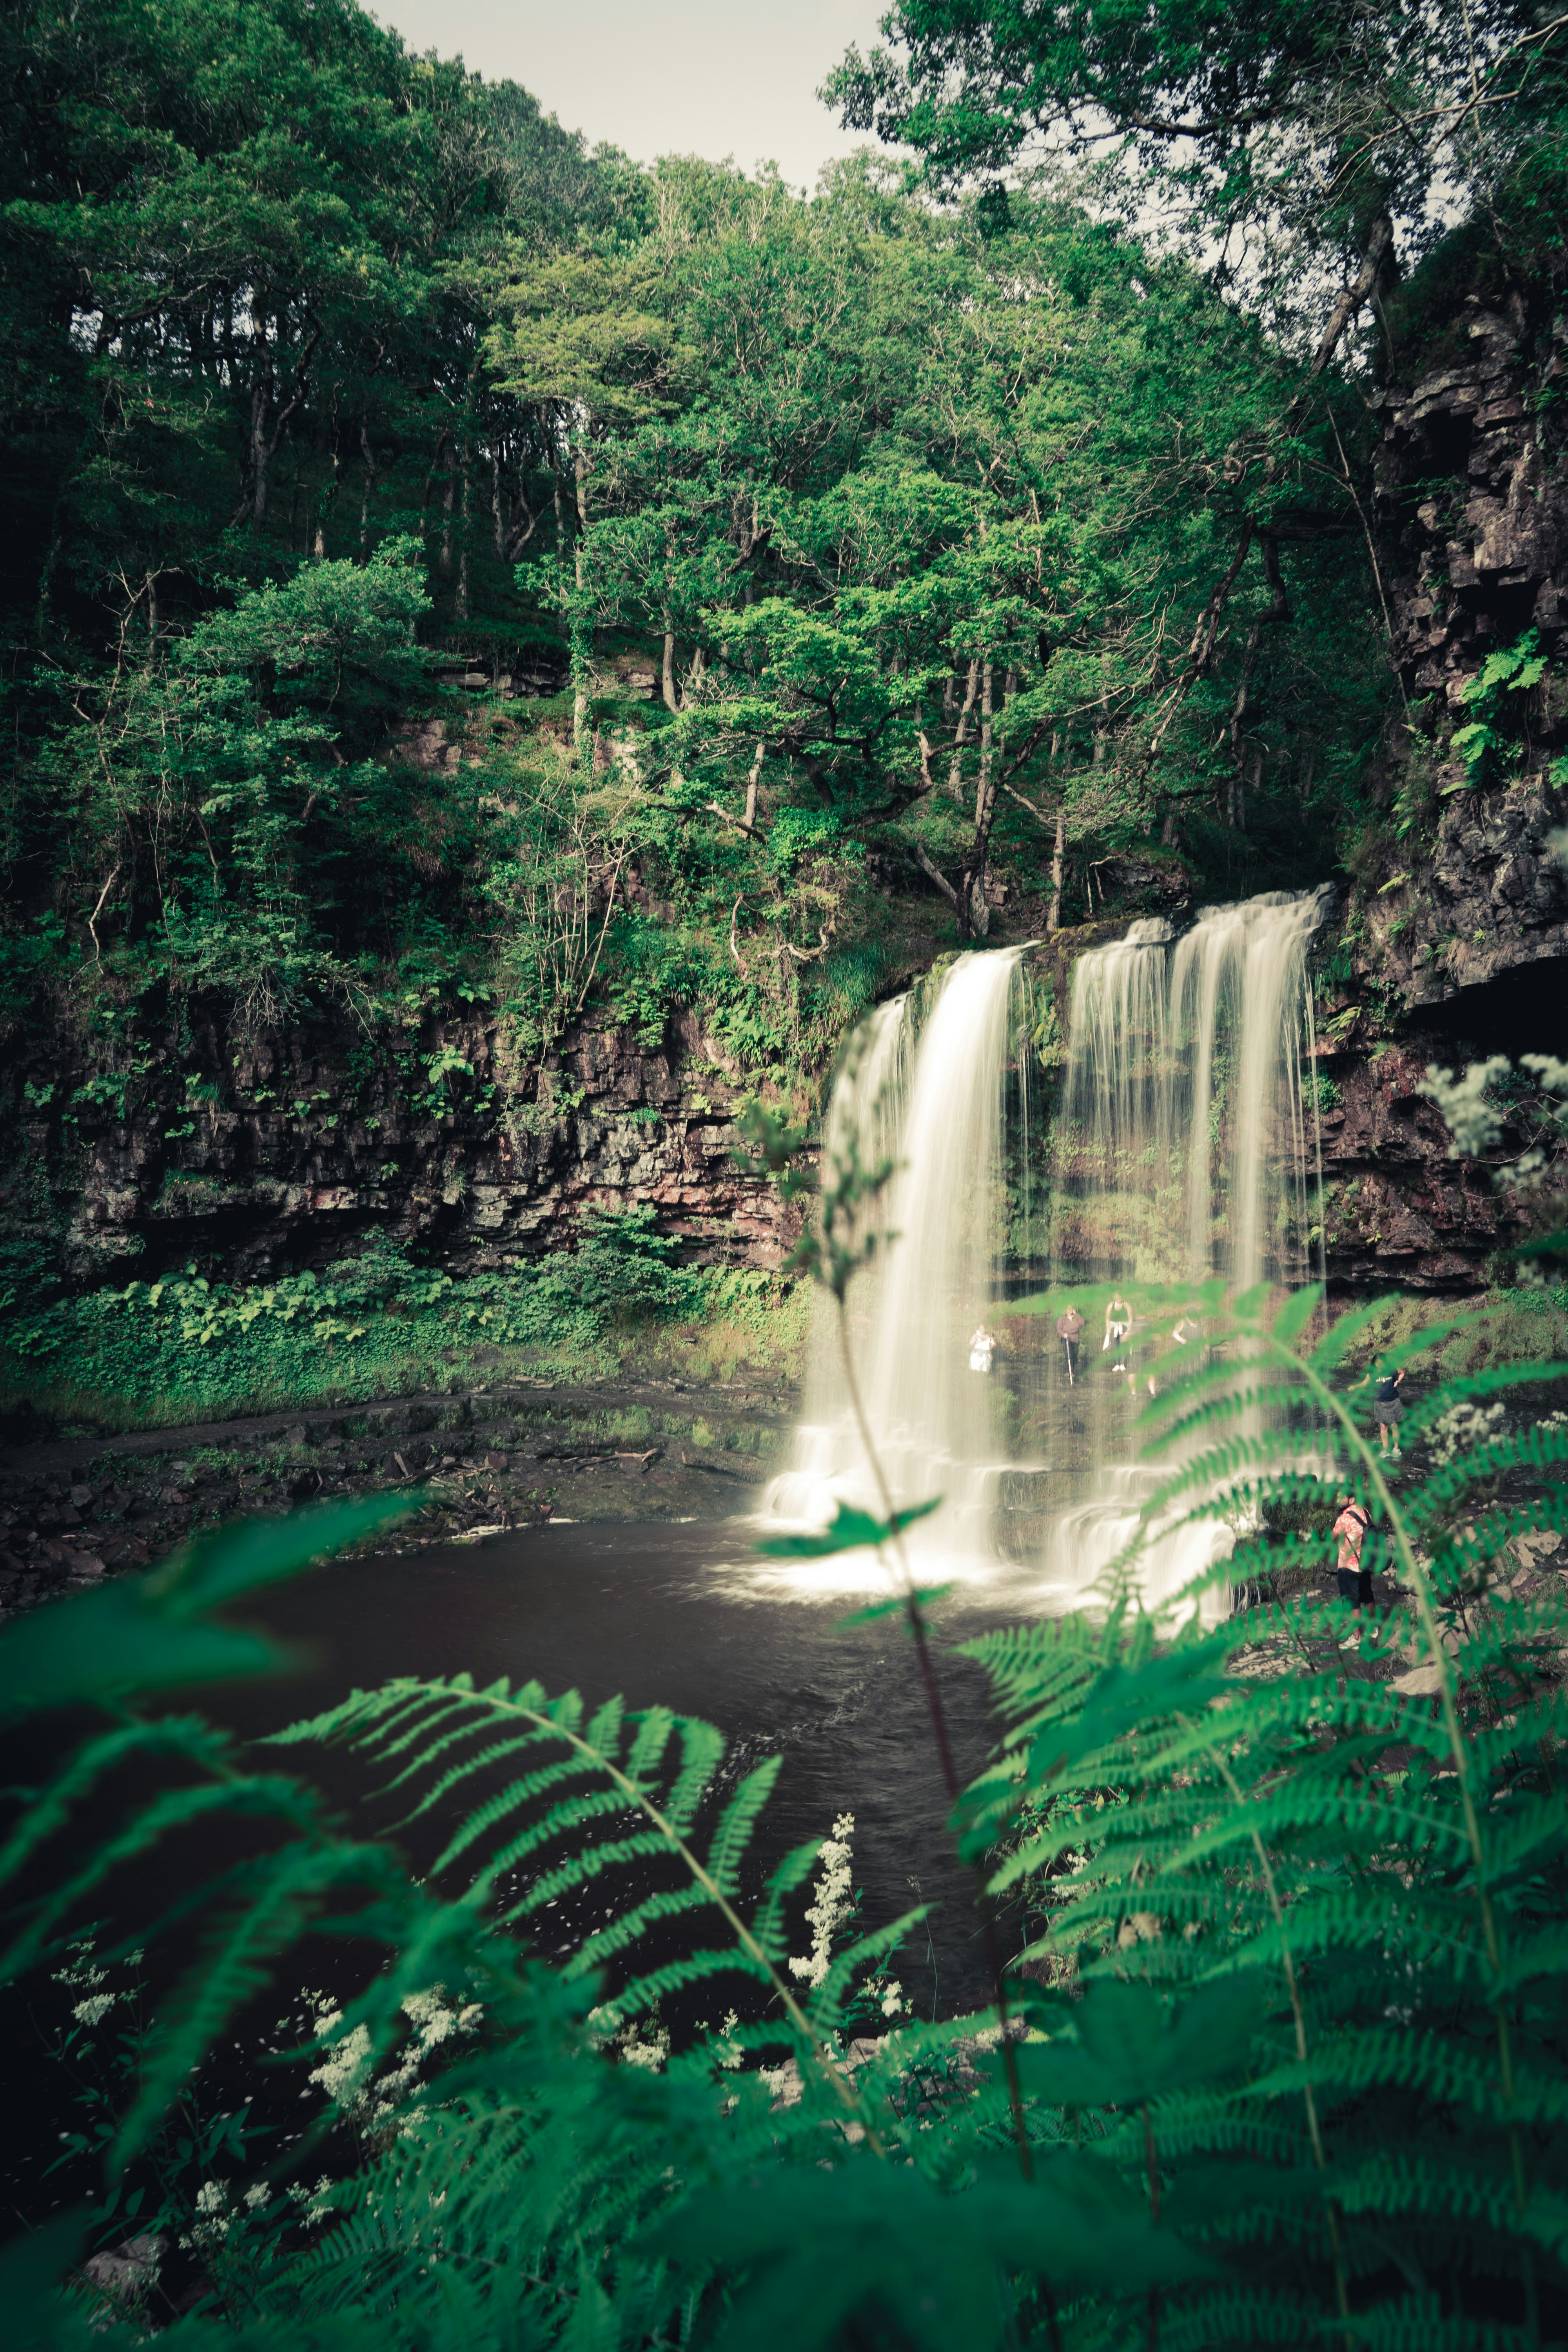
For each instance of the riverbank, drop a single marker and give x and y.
(477, 1460)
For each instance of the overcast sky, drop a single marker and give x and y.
(709, 78)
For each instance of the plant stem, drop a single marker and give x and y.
(917, 1624)
(1298, 2014)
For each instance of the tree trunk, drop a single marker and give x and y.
(436, 464)
(465, 520)
(448, 502)
(579, 631)
(671, 700)
(1059, 854)
(369, 493)
(954, 776)
(328, 498)
(260, 400)
(974, 911)
(982, 793)
(1279, 610)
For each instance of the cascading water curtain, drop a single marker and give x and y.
(932, 1102)
(1184, 1150)
(1182, 1147)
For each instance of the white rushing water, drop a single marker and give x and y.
(1182, 1145)
(936, 1110)
(1185, 1151)
(1182, 1151)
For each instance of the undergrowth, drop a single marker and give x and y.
(1289, 2064)
(186, 1348)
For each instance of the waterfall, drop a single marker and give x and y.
(1182, 1147)
(933, 1106)
(1182, 1151)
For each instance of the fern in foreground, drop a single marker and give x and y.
(1368, 1867)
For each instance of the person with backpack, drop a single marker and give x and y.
(1069, 1331)
(1350, 1527)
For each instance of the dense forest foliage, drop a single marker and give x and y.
(955, 539)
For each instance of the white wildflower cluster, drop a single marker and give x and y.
(1462, 1426)
(636, 2041)
(81, 1974)
(727, 2051)
(314, 2204)
(213, 2219)
(835, 1904)
(344, 2075)
(893, 2003)
(1474, 1121)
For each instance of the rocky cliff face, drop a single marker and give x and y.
(1472, 496)
(1454, 943)
(286, 1154)
(1472, 482)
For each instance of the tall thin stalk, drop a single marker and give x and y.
(916, 1618)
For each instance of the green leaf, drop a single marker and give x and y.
(1120, 1700)
(1130, 2048)
(815, 2246)
(33, 2269)
(924, 1596)
(852, 1530)
(101, 1645)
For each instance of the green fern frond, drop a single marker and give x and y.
(733, 1836)
(643, 1845)
(233, 1964)
(647, 1991)
(627, 1927)
(47, 1809)
(252, 1796)
(790, 1874)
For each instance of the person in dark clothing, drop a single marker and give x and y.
(1350, 1527)
(1387, 1404)
(1069, 1331)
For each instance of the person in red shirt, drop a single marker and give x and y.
(1350, 1527)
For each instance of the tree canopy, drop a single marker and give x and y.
(952, 540)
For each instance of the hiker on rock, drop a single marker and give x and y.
(1069, 1331)
(1387, 1404)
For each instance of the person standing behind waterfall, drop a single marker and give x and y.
(1069, 1331)
(1118, 1330)
(1387, 1404)
(982, 1348)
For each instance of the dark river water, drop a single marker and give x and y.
(688, 1617)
